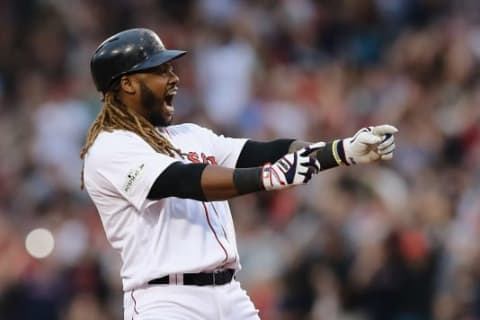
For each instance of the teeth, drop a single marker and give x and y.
(173, 91)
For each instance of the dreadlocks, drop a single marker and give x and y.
(116, 116)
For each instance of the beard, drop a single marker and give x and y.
(154, 107)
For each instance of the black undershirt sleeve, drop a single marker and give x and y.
(248, 180)
(255, 153)
(179, 180)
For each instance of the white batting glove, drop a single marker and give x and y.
(292, 169)
(370, 144)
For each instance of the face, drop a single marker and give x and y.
(157, 88)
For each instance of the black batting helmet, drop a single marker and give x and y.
(126, 52)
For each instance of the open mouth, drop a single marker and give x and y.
(170, 95)
(169, 99)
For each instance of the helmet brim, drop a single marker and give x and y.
(154, 61)
(158, 59)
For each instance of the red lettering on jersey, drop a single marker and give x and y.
(212, 160)
(208, 159)
(193, 157)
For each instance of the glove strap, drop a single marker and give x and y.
(332, 155)
(339, 152)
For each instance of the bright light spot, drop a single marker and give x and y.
(39, 243)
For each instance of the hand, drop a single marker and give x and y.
(292, 169)
(370, 144)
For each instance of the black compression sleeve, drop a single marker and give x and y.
(247, 180)
(179, 180)
(255, 153)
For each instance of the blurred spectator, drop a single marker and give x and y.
(59, 125)
(225, 65)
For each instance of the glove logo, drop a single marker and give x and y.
(292, 169)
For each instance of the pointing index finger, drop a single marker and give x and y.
(384, 129)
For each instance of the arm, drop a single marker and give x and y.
(205, 182)
(211, 182)
(298, 144)
(367, 145)
(256, 153)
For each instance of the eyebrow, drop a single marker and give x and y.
(163, 67)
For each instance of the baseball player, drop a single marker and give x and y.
(161, 189)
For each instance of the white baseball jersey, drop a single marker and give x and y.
(167, 236)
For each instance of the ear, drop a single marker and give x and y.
(128, 85)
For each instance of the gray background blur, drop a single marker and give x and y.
(393, 241)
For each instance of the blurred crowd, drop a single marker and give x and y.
(392, 241)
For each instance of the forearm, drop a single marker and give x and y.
(205, 182)
(220, 183)
(256, 153)
(297, 145)
(329, 156)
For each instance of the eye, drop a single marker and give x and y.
(159, 71)
(163, 70)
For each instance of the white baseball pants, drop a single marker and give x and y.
(181, 302)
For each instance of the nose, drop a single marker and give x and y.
(174, 77)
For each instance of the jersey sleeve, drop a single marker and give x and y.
(226, 149)
(125, 165)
